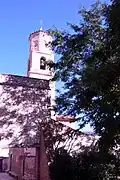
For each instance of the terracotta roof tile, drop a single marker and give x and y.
(65, 118)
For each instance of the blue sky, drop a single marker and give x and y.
(18, 18)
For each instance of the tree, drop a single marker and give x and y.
(85, 165)
(89, 67)
(62, 166)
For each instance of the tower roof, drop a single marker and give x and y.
(35, 33)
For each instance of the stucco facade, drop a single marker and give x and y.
(24, 103)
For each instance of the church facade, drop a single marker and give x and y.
(27, 99)
(26, 105)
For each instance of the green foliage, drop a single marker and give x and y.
(62, 166)
(89, 67)
(86, 165)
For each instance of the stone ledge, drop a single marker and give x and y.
(12, 174)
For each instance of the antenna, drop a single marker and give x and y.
(41, 25)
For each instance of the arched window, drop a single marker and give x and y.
(42, 63)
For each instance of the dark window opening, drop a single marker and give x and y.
(43, 63)
(10, 162)
(36, 44)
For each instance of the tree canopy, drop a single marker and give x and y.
(85, 165)
(89, 67)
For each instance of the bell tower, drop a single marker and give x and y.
(40, 55)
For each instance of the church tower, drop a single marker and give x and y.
(40, 55)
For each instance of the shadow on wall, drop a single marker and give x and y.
(25, 108)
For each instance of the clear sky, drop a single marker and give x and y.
(18, 18)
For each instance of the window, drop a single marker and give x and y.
(35, 43)
(43, 63)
